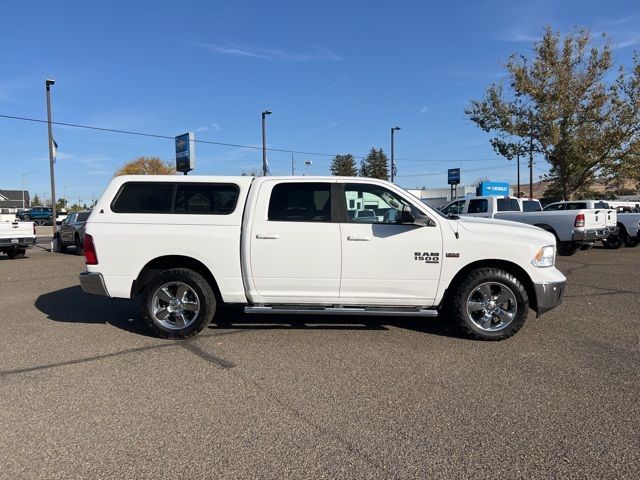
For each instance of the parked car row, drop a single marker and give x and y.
(575, 224)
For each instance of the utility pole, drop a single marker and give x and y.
(22, 184)
(530, 167)
(293, 168)
(48, 82)
(518, 191)
(265, 165)
(393, 160)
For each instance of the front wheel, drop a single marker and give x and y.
(490, 304)
(178, 303)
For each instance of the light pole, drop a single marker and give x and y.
(265, 165)
(22, 183)
(393, 161)
(48, 82)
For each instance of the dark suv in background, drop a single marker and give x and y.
(71, 231)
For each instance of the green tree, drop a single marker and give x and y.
(559, 104)
(35, 201)
(375, 165)
(344, 165)
(61, 204)
(146, 166)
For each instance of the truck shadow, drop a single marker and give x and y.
(72, 305)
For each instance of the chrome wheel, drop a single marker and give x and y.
(492, 306)
(175, 305)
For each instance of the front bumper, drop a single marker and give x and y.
(92, 282)
(548, 296)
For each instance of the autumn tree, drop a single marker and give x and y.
(559, 104)
(375, 165)
(344, 165)
(146, 166)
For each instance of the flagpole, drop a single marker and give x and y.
(52, 157)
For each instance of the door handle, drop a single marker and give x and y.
(359, 238)
(268, 236)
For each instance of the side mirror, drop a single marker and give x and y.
(406, 216)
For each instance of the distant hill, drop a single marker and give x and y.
(601, 187)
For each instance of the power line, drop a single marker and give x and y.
(224, 144)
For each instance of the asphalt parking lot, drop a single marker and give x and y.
(87, 393)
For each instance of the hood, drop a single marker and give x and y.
(504, 227)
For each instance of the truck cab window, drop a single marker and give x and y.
(478, 206)
(300, 202)
(368, 203)
(508, 205)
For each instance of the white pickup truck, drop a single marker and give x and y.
(573, 228)
(299, 245)
(16, 237)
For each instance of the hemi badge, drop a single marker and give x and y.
(452, 255)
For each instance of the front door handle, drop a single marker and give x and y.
(359, 238)
(268, 236)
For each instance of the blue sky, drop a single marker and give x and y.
(337, 76)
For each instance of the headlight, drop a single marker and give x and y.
(545, 257)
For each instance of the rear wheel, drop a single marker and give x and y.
(78, 244)
(16, 253)
(614, 241)
(490, 304)
(178, 303)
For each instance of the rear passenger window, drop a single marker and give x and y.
(300, 202)
(144, 197)
(508, 205)
(576, 206)
(206, 198)
(478, 206)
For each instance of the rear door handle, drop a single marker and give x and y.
(359, 238)
(268, 236)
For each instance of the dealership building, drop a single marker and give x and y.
(438, 197)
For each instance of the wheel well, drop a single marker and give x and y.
(168, 262)
(512, 268)
(622, 228)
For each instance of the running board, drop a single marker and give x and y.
(365, 311)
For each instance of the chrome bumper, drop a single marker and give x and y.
(590, 236)
(93, 283)
(548, 296)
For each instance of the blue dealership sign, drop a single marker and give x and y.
(185, 152)
(453, 174)
(496, 189)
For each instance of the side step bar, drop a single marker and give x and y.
(365, 311)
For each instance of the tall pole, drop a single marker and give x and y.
(22, 183)
(265, 166)
(518, 191)
(293, 168)
(54, 215)
(393, 158)
(531, 167)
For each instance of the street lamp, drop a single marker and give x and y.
(48, 82)
(393, 161)
(22, 183)
(265, 165)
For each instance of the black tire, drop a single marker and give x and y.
(27, 218)
(12, 253)
(60, 248)
(566, 249)
(631, 243)
(613, 242)
(78, 244)
(463, 294)
(20, 253)
(205, 297)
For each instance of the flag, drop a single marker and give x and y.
(55, 150)
(394, 169)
